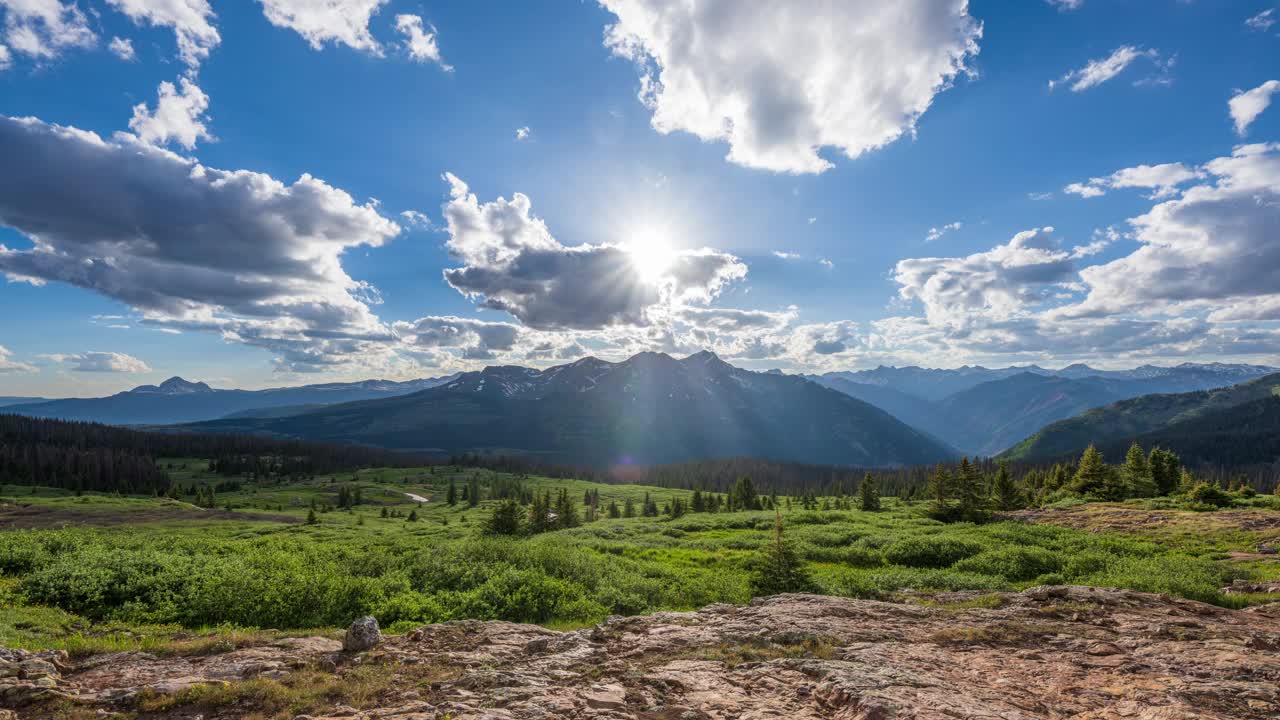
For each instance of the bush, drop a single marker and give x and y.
(1013, 564)
(1209, 494)
(930, 552)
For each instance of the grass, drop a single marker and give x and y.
(167, 576)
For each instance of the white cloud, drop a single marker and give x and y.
(522, 133)
(1000, 283)
(826, 263)
(1101, 70)
(188, 246)
(813, 220)
(1163, 180)
(108, 362)
(420, 43)
(122, 48)
(1263, 21)
(6, 59)
(42, 29)
(786, 255)
(178, 117)
(1246, 106)
(780, 81)
(341, 22)
(1066, 5)
(1215, 243)
(1038, 196)
(475, 339)
(8, 365)
(935, 233)
(511, 262)
(415, 218)
(191, 20)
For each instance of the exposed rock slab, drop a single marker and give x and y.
(1063, 652)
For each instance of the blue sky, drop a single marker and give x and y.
(770, 191)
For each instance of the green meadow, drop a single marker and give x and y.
(90, 572)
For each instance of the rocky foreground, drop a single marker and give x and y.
(1051, 652)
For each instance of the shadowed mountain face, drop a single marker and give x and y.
(651, 408)
(178, 401)
(1232, 425)
(986, 416)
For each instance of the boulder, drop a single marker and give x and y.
(362, 635)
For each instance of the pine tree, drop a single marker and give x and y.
(614, 512)
(473, 490)
(1136, 475)
(940, 489)
(566, 511)
(744, 495)
(1093, 475)
(413, 515)
(1165, 470)
(451, 496)
(311, 517)
(629, 509)
(778, 567)
(698, 504)
(968, 484)
(1005, 493)
(868, 494)
(505, 519)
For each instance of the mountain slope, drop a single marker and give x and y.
(649, 409)
(1140, 416)
(180, 401)
(1245, 434)
(6, 400)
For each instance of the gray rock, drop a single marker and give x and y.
(362, 635)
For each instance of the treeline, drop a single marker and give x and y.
(85, 456)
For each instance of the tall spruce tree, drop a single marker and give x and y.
(1136, 474)
(505, 519)
(868, 494)
(451, 496)
(1005, 493)
(1093, 475)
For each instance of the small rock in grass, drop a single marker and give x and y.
(362, 635)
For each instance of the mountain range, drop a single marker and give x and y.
(1234, 425)
(649, 409)
(985, 411)
(180, 401)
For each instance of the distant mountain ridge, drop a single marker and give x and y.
(1170, 420)
(648, 409)
(177, 400)
(985, 411)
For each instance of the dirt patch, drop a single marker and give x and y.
(1128, 519)
(13, 517)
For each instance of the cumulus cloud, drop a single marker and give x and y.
(189, 246)
(1066, 5)
(43, 29)
(511, 262)
(107, 362)
(6, 59)
(1246, 106)
(522, 133)
(420, 44)
(340, 22)
(935, 232)
(178, 117)
(1099, 71)
(191, 21)
(476, 339)
(1216, 242)
(780, 81)
(999, 283)
(826, 263)
(8, 365)
(414, 218)
(1263, 21)
(1163, 180)
(783, 255)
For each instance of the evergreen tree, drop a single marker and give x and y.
(744, 495)
(698, 504)
(451, 496)
(413, 515)
(1165, 470)
(629, 509)
(778, 567)
(311, 517)
(969, 497)
(1135, 474)
(868, 494)
(1005, 493)
(1093, 475)
(473, 490)
(505, 519)
(614, 512)
(566, 511)
(940, 489)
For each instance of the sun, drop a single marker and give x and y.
(651, 254)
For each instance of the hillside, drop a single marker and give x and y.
(180, 401)
(1245, 434)
(649, 409)
(1147, 416)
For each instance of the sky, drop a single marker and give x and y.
(276, 192)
